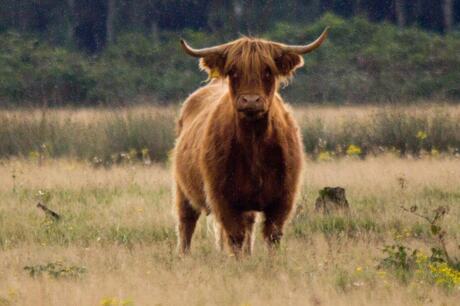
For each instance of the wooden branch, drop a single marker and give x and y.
(417, 214)
(54, 215)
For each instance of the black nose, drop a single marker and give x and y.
(250, 99)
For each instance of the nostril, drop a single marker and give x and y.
(250, 99)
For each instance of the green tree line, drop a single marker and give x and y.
(361, 62)
(92, 25)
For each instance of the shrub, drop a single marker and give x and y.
(360, 62)
(32, 72)
(440, 268)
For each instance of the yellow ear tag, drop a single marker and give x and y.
(214, 74)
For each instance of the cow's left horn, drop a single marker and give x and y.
(310, 47)
(199, 52)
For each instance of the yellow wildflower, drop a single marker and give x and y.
(444, 275)
(109, 302)
(325, 156)
(12, 293)
(421, 135)
(353, 150)
(127, 303)
(421, 258)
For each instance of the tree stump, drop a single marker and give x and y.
(332, 199)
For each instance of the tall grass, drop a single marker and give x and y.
(400, 130)
(94, 134)
(149, 132)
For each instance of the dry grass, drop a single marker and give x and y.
(335, 114)
(329, 114)
(118, 223)
(88, 115)
(104, 135)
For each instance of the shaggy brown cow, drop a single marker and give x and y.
(239, 149)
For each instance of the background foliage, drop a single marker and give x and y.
(361, 62)
(113, 51)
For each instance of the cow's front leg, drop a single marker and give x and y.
(275, 219)
(248, 222)
(187, 219)
(233, 223)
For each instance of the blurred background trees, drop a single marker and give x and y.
(57, 52)
(92, 24)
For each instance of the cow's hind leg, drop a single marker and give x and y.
(187, 219)
(249, 221)
(219, 234)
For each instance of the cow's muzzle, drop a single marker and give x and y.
(250, 105)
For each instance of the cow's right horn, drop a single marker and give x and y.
(199, 52)
(310, 47)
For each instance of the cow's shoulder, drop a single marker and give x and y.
(202, 99)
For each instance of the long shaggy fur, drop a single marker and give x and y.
(232, 167)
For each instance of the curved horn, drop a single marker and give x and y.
(310, 47)
(199, 52)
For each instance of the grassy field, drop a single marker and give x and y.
(115, 242)
(103, 135)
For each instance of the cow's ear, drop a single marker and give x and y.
(213, 64)
(287, 63)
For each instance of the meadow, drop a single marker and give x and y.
(115, 242)
(112, 135)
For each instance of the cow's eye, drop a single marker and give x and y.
(268, 73)
(232, 73)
